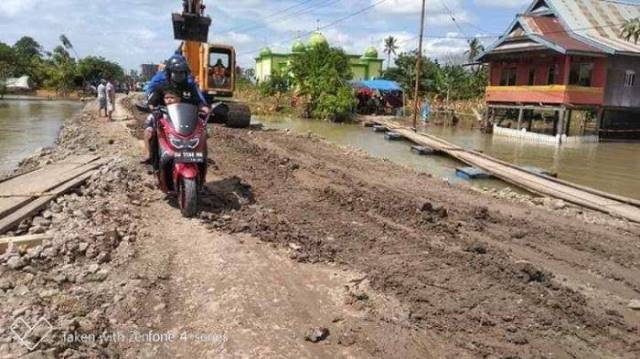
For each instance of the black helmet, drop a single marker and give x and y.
(177, 69)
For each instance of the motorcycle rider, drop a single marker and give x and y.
(178, 85)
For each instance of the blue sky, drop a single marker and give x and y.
(139, 31)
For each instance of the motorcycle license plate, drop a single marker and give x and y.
(189, 157)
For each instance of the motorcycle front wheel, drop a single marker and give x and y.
(188, 197)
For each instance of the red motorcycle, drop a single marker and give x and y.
(181, 156)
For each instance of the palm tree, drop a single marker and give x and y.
(475, 49)
(390, 47)
(631, 30)
(67, 44)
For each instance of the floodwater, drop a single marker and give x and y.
(610, 167)
(28, 124)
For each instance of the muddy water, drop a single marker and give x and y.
(611, 167)
(607, 166)
(26, 125)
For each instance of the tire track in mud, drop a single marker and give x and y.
(429, 245)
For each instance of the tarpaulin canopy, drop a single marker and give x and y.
(20, 83)
(380, 85)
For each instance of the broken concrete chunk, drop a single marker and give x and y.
(316, 334)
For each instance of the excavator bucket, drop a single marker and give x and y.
(191, 27)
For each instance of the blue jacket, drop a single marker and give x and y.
(160, 79)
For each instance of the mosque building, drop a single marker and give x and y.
(364, 67)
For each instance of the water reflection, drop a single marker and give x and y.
(611, 167)
(26, 125)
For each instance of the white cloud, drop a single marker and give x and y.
(11, 8)
(233, 37)
(508, 4)
(438, 13)
(447, 48)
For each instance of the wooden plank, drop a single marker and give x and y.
(44, 178)
(539, 184)
(23, 241)
(16, 196)
(13, 220)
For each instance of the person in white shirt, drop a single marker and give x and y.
(102, 98)
(111, 99)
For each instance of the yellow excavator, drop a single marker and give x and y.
(213, 65)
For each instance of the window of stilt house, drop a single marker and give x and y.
(580, 74)
(629, 78)
(551, 75)
(532, 76)
(508, 76)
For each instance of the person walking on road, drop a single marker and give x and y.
(111, 99)
(102, 98)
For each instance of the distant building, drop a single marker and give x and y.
(562, 69)
(147, 71)
(365, 67)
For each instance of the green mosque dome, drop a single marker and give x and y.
(265, 52)
(371, 53)
(317, 39)
(298, 47)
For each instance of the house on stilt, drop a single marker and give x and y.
(563, 73)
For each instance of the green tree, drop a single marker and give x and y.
(631, 30)
(27, 48)
(321, 75)
(28, 56)
(475, 49)
(92, 69)
(275, 86)
(249, 74)
(404, 73)
(7, 61)
(67, 44)
(390, 48)
(454, 82)
(61, 72)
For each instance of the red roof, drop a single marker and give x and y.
(550, 29)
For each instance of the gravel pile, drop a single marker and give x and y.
(68, 286)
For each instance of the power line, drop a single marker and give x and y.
(298, 13)
(453, 18)
(487, 36)
(363, 10)
(275, 13)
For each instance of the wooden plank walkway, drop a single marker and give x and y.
(22, 196)
(536, 183)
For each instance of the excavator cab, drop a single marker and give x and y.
(213, 65)
(221, 64)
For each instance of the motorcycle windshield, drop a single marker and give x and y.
(184, 117)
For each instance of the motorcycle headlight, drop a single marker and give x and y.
(177, 142)
(181, 144)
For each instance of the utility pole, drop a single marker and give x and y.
(418, 64)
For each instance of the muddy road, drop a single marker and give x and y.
(296, 233)
(477, 276)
